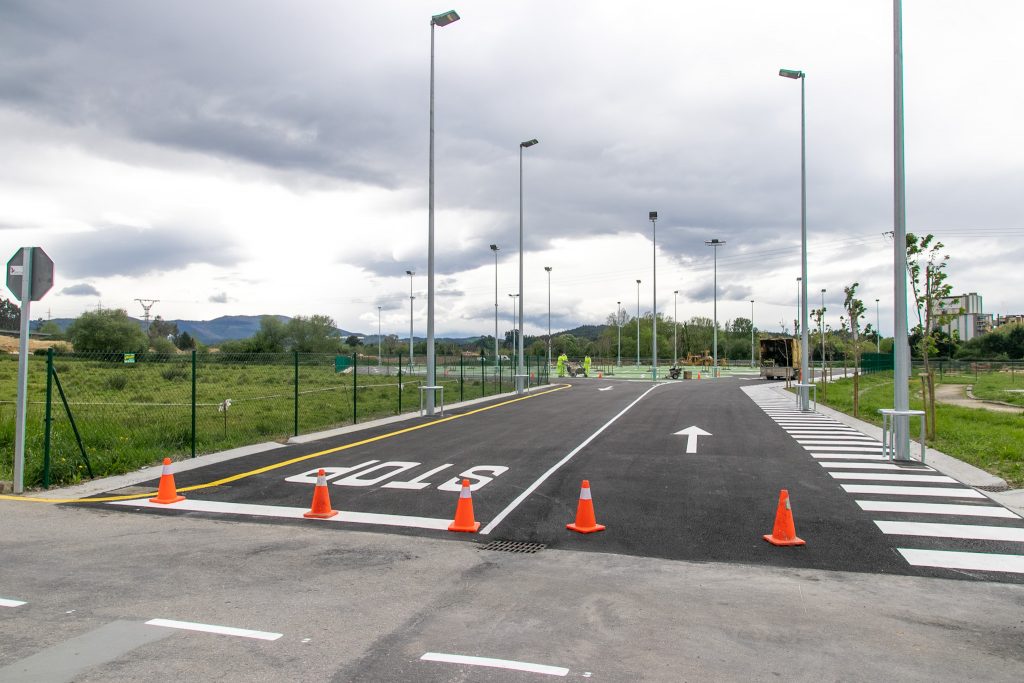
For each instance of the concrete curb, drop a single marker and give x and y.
(947, 464)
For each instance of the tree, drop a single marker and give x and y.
(352, 341)
(160, 328)
(926, 265)
(108, 330)
(315, 334)
(270, 338)
(185, 342)
(855, 308)
(162, 345)
(10, 315)
(51, 330)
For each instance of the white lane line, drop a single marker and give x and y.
(838, 442)
(495, 663)
(874, 466)
(982, 533)
(554, 468)
(211, 628)
(947, 559)
(912, 491)
(936, 508)
(849, 449)
(193, 505)
(6, 602)
(881, 476)
(826, 432)
(849, 456)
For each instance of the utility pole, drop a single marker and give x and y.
(147, 304)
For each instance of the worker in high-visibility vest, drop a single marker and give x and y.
(560, 364)
(586, 366)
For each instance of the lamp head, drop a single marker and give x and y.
(714, 242)
(449, 17)
(528, 143)
(494, 247)
(409, 273)
(791, 73)
(547, 268)
(653, 215)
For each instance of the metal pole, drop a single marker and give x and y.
(494, 248)
(515, 333)
(411, 298)
(675, 328)
(901, 347)
(548, 268)
(821, 329)
(27, 255)
(751, 333)
(638, 323)
(654, 296)
(618, 319)
(520, 370)
(878, 330)
(804, 393)
(714, 330)
(378, 338)
(430, 246)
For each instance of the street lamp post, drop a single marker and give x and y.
(548, 269)
(378, 337)
(715, 244)
(653, 217)
(411, 299)
(901, 346)
(618, 319)
(675, 328)
(494, 248)
(751, 333)
(878, 330)
(515, 332)
(821, 330)
(520, 370)
(437, 20)
(638, 323)
(804, 394)
(796, 320)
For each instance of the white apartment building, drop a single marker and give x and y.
(969, 320)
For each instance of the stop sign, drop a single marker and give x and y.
(42, 272)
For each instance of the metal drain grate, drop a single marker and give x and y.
(993, 489)
(513, 546)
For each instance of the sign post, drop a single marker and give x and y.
(29, 276)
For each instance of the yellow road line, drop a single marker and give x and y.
(285, 463)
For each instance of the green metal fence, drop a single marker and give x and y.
(104, 414)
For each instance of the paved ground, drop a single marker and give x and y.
(907, 573)
(957, 395)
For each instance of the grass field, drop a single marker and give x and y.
(133, 415)
(991, 441)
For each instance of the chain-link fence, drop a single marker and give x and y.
(103, 414)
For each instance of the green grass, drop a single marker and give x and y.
(134, 415)
(989, 440)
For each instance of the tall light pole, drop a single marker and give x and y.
(638, 323)
(494, 248)
(411, 299)
(618, 319)
(821, 330)
(804, 394)
(900, 346)
(437, 20)
(751, 333)
(548, 269)
(515, 332)
(520, 370)
(715, 244)
(675, 328)
(653, 217)
(378, 337)
(878, 330)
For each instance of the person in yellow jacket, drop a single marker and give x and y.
(560, 364)
(586, 366)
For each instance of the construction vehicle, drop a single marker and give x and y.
(780, 358)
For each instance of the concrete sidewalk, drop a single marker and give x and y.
(947, 464)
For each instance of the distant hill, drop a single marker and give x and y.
(590, 332)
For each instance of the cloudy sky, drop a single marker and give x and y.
(270, 156)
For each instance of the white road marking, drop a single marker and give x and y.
(946, 559)
(880, 476)
(495, 663)
(912, 491)
(838, 442)
(691, 434)
(211, 628)
(936, 508)
(554, 468)
(606, 389)
(983, 533)
(826, 432)
(849, 449)
(850, 456)
(193, 505)
(874, 466)
(6, 602)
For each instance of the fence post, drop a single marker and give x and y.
(355, 381)
(462, 377)
(49, 420)
(296, 410)
(499, 374)
(399, 382)
(193, 403)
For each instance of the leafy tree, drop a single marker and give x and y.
(10, 315)
(108, 330)
(160, 328)
(51, 330)
(315, 334)
(855, 309)
(353, 341)
(270, 338)
(184, 341)
(162, 345)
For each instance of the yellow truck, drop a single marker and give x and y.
(780, 358)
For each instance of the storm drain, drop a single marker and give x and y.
(996, 488)
(513, 546)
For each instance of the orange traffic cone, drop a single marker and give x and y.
(321, 508)
(784, 532)
(167, 493)
(698, 375)
(585, 522)
(464, 511)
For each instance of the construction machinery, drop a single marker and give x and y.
(780, 358)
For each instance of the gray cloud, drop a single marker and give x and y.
(80, 290)
(129, 251)
(221, 298)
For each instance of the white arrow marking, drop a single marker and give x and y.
(605, 389)
(691, 434)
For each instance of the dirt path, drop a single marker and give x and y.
(956, 395)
